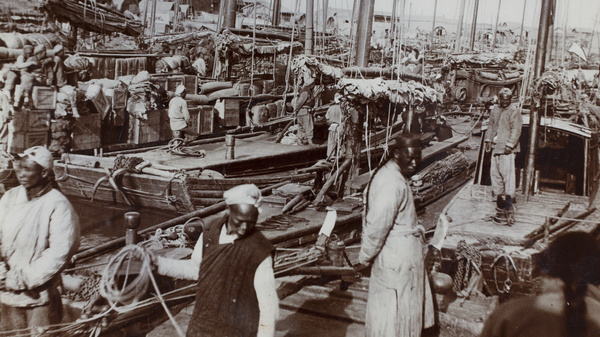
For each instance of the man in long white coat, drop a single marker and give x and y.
(400, 301)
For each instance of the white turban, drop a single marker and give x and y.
(180, 89)
(243, 194)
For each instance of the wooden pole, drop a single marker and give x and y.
(230, 13)
(276, 13)
(496, 25)
(433, 23)
(540, 59)
(550, 46)
(308, 38)
(593, 31)
(393, 21)
(363, 38)
(522, 23)
(153, 19)
(461, 15)
(474, 25)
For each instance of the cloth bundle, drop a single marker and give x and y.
(397, 92)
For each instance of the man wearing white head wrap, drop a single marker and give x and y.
(39, 231)
(236, 294)
(179, 116)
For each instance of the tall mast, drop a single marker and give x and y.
(393, 21)
(474, 25)
(229, 15)
(550, 46)
(433, 23)
(593, 31)
(496, 26)
(460, 24)
(276, 13)
(363, 34)
(308, 38)
(540, 60)
(522, 23)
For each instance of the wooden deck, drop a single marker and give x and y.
(470, 216)
(246, 150)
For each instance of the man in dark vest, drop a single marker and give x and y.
(236, 294)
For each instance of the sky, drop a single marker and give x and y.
(575, 13)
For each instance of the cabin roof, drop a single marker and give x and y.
(563, 125)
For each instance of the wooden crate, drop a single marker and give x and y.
(201, 118)
(24, 140)
(117, 97)
(174, 81)
(38, 120)
(44, 98)
(87, 131)
(147, 131)
(191, 83)
(232, 112)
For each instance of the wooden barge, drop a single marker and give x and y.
(565, 197)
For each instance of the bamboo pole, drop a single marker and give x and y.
(332, 179)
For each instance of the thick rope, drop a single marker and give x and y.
(133, 290)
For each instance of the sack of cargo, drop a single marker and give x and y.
(78, 63)
(488, 75)
(142, 76)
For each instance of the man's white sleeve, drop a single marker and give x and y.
(188, 269)
(268, 302)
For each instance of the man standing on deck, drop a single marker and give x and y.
(502, 138)
(236, 294)
(334, 119)
(179, 116)
(400, 300)
(39, 233)
(303, 109)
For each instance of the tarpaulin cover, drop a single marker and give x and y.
(482, 59)
(227, 41)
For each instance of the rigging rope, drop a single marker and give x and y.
(133, 290)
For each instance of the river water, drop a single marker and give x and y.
(101, 222)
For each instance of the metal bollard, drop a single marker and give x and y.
(230, 144)
(132, 222)
(335, 250)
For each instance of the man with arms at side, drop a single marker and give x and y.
(502, 138)
(400, 301)
(39, 233)
(179, 115)
(236, 294)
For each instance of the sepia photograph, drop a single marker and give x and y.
(291, 168)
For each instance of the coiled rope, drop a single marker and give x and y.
(131, 290)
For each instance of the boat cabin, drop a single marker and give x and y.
(566, 158)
